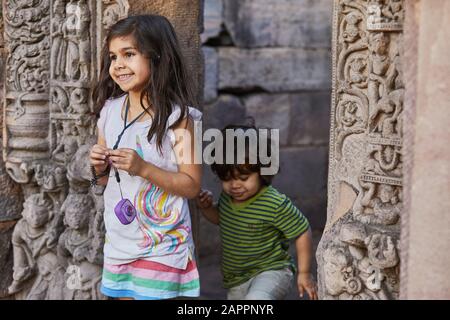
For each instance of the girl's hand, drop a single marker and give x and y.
(305, 281)
(127, 160)
(205, 199)
(98, 158)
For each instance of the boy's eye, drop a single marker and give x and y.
(243, 178)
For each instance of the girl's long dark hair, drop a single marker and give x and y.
(169, 83)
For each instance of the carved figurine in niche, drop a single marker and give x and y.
(71, 53)
(83, 33)
(58, 48)
(79, 101)
(378, 64)
(77, 210)
(385, 206)
(385, 114)
(393, 10)
(68, 142)
(59, 100)
(30, 240)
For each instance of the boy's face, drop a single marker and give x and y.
(242, 187)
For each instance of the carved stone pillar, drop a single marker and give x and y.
(51, 64)
(11, 195)
(358, 253)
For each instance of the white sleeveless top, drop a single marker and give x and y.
(161, 231)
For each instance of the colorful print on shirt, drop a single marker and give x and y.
(139, 150)
(159, 216)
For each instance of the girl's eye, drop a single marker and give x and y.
(112, 57)
(129, 54)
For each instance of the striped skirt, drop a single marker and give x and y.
(148, 280)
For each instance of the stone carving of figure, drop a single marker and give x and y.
(378, 64)
(50, 280)
(69, 32)
(30, 241)
(351, 32)
(356, 75)
(381, 251)
(84, 39)
(386, 207)
(68, 142)
(77, 247)
(77, 210)
(393, 10)
(78, 101)
(76, 50)
(57, 39)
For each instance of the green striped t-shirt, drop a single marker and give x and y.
(255, 234)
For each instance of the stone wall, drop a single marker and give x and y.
(270, 59)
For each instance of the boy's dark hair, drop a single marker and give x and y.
(169, 83)
(226, 171)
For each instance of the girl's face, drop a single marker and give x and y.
(242, 187)
(129, 68)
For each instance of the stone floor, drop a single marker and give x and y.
(211, 278)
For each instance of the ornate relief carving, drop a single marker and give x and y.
(113, 11)
(26, 86)
(358, 256)
(50, 127)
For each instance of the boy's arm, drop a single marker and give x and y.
(305, 281)
(209, 210)
(211, 214)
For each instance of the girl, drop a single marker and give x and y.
(144, 93)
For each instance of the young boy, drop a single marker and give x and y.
(256, 223)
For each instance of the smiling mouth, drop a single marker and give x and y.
(124, 77)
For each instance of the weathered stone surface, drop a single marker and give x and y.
(211, 74)
(278, 23)
(226, 110)
(310, 118)
(303, 178)
(212, 19)
(274, 70)
(270, 111)
(365, 163)
(6, 256)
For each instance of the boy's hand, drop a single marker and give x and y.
(205, 199)
(305, 281)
